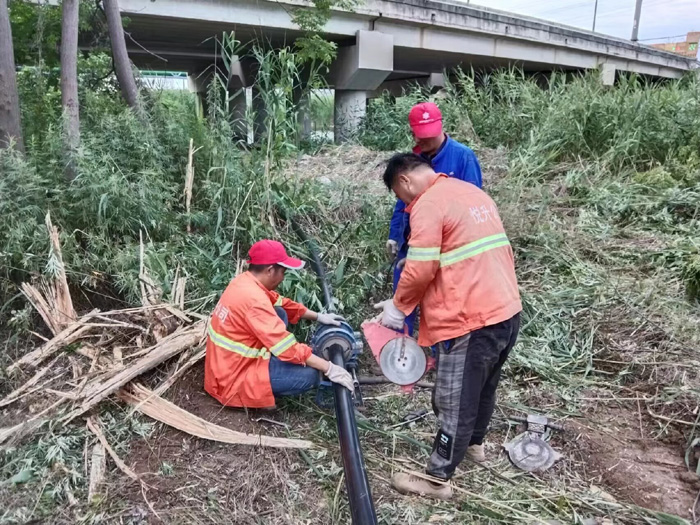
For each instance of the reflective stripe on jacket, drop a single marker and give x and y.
(460, 266)
(244, 331)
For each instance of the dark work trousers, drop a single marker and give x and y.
(464, 396)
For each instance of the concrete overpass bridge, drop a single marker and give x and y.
(383, 44)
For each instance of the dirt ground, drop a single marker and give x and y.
(195, 480)
(611, 448)
(621, 457)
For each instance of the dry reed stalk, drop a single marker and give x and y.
(178, 293)
(16, 394)
(170, 346)
(166, 412)
(95, 428)
(189, 181)
(98, 464)
(150, 292)
(67, 336)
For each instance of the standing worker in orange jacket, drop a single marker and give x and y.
(460, 269)
(251, 358)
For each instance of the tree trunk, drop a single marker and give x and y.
(10, 125)
(122, 65)
(69, 84)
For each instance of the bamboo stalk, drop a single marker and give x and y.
(95, 428)
(63, 307)
(162, 351)
(166, 412)
(68, 335)
(97, 469)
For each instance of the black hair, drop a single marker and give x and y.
(259, 268)
(402, 163)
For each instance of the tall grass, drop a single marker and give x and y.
(131, 184)
(638, 142)
(636, 123)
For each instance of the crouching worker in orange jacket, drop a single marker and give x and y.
(251, 358)
(460, 270)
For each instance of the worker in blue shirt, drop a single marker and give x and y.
(446, 156)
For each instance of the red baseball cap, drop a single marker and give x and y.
(272, 252)
(425, 120)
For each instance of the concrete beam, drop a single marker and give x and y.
(365, 65)
(432, 82)
(427, 34)
(442, 20)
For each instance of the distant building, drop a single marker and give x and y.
(689, 48)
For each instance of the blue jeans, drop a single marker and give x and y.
(289, 379)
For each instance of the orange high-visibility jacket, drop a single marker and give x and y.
(244, 331)
(460, 266)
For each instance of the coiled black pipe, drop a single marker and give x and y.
(356, 482)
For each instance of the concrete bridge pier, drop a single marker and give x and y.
(607, 73)
(240, 79)
(359, 69)
(302, 102)
(198, 82)
(350, 109)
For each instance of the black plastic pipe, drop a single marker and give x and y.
(356, 482)
(316, 263)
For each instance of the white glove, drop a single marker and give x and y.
(332, 319)
(392, 248)
(401, 263)
(391, 317)
(339, 375)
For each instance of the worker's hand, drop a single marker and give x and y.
(339, 375)
(391, 317)
(401, 263)
(392, 249)
(331, 319)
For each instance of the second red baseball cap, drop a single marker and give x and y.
(272, 252)
(425, 120)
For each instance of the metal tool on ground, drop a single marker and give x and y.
(530, 451)
(400, 357)
(411, 417)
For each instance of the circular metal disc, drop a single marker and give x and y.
(402, 361)
(531, 454)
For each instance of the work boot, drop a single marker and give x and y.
(476, 453)
(411, 484)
